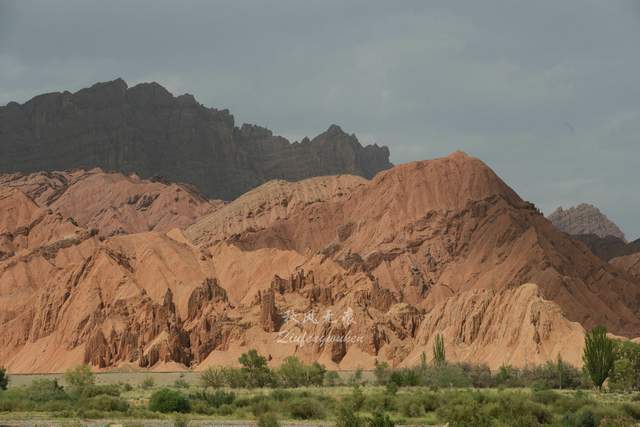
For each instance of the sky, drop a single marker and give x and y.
(546, 92)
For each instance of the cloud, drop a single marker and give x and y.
(545, 92)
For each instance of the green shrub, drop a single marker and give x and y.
(376, 401)
(180, 421)
(225, 409)
(281, 395)
(107, 403)
(356, 399)
(261, 405)
(201, 407)
(181, 383)
(268, 420)
(412, 408)
(4, 378)
(212, 377)
(380, 419)
(616, 422)
(446, 376)
(79, 378)
(96, 390)
(478, 375)
(332, 379)
(508, 376)
(45, 390)
(632, 410)
(598, 355)
(147, 383)
(255, 369)
(584, 418)
(306, 408)
(346, 417)
(464, 411)
(546, 397)
(217, 398)
(381, 373)
(167, 400)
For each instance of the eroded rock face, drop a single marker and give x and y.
(147, 131)
(112, 203)
(585, 219)
(629, 264)
(339, 270)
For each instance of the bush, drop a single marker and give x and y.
(632, 410)
(167, 400)
(546, 397)
(446, 376)
(96, 390)
(306, 408)
(107, 403)
(180, 421)
(281, 395)
(479, 375)
(508, 376)
(234, 378)
(376, 401)
(355, 400)
(261, 405)
(181, 382)
(268, 420)
(212, 377)
(412, 408)
(463, 411)
(347, 418)
(381, 373)
(79, 378)
(225, 410)
(4, 378)
(217, 398)
(332, 379)
(256, 372)
(45, 390)
(380, 419)
(147, 383)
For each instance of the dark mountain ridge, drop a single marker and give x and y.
(148, 131)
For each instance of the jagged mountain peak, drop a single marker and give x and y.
(146, 130)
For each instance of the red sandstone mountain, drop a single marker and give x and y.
(112, 203)
(441, 246)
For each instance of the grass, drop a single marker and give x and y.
(406, 405)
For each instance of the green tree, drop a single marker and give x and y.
(167, 400)
(292, 372)
(598, 355)
(315, 374)
(148, 382)
(268, 420)
(380, 419)
(212, 377)
(439, 356)
(423, 362)
(255, 367)
(381, 372)
(4, 379)
(628, 357)
(79, 378)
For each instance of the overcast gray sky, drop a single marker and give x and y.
(546, 92)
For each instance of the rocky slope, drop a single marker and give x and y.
(336, 269)
(112, 203)
(146, 130)
(630, 264)
(585, 219)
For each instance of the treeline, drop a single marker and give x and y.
(604, 359)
